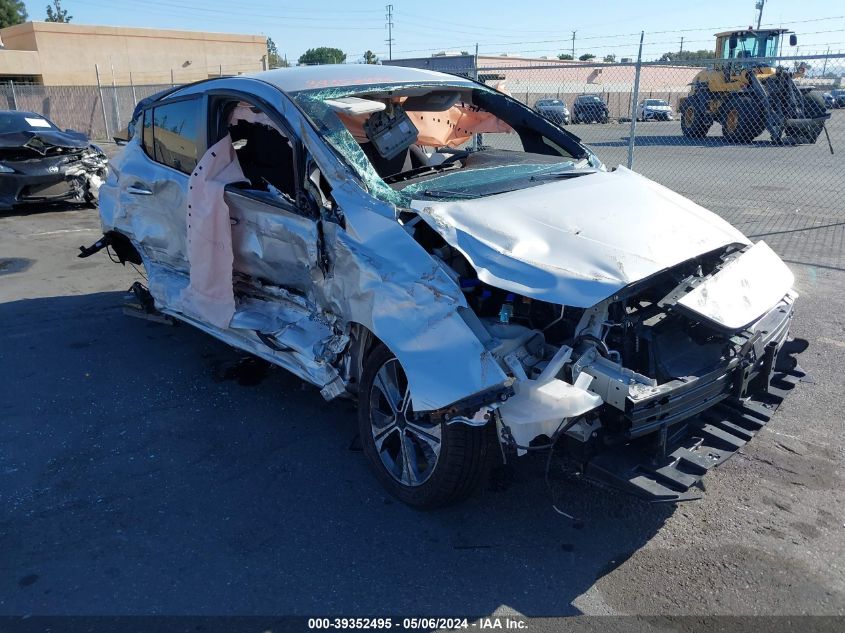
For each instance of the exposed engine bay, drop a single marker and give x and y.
(637, 362)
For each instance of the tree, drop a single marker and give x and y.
(564, 56)
(465, 53)
(55, 13)
(322, 55)
(370, 57)
(12, 12)
(610, 58)
(587, 57)
(688, 56)
(274, 60)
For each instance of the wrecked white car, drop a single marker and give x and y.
(356, 226)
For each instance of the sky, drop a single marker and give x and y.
(531, 29)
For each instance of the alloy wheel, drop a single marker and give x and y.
(408, 445)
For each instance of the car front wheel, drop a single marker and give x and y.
(423, 463)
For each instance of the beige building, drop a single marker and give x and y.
(56, 54)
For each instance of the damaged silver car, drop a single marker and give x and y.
(466, 269)
(41, 164)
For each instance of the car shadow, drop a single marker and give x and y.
(147, 468)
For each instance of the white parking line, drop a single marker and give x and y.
(59, 231)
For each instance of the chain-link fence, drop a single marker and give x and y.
(757, 154)
(99, 112)
(766, 155)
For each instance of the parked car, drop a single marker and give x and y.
(835, 99)
(554, 110)
(40, 163)
(590, 109)
(655, 110)
(476, 303)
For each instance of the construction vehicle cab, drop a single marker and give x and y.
(746, 93)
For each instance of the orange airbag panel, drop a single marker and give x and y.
(451, 128)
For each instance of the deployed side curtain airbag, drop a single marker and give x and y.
(210, 296)
(451, 128)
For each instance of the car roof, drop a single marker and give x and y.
(342, 75)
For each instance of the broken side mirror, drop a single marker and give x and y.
(793, 40)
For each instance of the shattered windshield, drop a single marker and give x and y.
(448, 139)
(474, 183)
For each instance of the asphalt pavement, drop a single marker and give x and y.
(145, 470)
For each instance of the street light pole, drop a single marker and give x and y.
(759, 6)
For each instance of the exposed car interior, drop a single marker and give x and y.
(416, 131)
(264, 151)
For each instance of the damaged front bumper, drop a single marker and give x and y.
(655, 442)
(52, 179)
(669, 465)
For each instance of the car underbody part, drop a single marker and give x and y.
(670, 465)
(122, 246)
(141, 305)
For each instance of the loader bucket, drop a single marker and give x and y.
(804, 130)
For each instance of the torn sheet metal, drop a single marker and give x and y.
(44, 141)
(380, 277)
(743, 290)
(209, 296)
(577, 241)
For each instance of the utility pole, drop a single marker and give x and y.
(573, 44)
(759, 6)
(682, 43)
(389, 31)
(634, 98)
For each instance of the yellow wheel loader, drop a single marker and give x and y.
(746, 95)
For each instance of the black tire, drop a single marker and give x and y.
(814, 108)
(742, 119)
(695, 122)
(462, 449)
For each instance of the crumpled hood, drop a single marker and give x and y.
(579, 240)
(42, 141)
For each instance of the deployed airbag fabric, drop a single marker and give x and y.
(210, 296)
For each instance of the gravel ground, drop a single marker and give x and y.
(143, 471)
